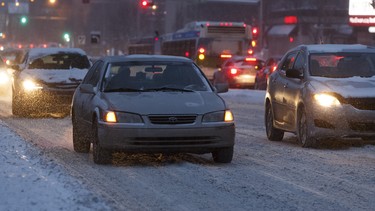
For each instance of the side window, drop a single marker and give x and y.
(300, 63)
(289, 61)
(93, 76)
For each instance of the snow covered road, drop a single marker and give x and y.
(40, 171)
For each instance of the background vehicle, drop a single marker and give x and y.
(207, 43)
(239, 71)
(262, 75)
(46, 80)
(150, 104)
(12, 56)
(322, 91)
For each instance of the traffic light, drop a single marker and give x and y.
(255, 32)
(23, 20)
(66, 37)
(146, 3)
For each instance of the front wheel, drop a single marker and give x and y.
(223, 155)
(101, 155)
(303, 130)
(81, 143)
(273, 134)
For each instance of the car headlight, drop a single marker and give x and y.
(121, 117)
(4, 77)
(219, 116)
(30, 85)
(326, 100)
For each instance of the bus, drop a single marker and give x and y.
(207, 43)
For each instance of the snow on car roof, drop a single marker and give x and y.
(146, 57)
(40, 52)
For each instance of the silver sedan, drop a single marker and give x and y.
(152, 104)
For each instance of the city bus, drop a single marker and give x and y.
(207, 43)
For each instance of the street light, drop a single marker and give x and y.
(23, 20)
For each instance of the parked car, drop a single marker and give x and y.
(46, 80)
(262, 75)
(322, 91)
(150, 104)
(238, 71)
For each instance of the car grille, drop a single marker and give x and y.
(172, 119)
(361, 103)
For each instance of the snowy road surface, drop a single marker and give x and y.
(40, 171)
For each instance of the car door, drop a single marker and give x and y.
(292, 91)
(277, 83)
(84, 102)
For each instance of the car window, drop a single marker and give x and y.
(299, 64)
(93, 76)
(289, 61)
(342, 65)
(60, 61)
(154, 75)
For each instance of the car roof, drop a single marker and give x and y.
(331, 48)
(40, 52)
(145, 57)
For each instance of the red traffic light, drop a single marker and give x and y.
(255, 32)
(145, 3)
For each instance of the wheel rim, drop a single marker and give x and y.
(302, 128)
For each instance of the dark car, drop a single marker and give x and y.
(322, 91)
(239, 71)
(46, 80)
(262, 75)
(151, 104)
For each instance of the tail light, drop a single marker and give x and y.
(251, 59)
(233, 71)
(225, 56)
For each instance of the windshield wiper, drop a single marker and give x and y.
(123, 90)
(173, 89)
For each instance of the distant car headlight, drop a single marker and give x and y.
(121, 117)
(30, 85)
(219, 116)
(4, 77)
(326, 100)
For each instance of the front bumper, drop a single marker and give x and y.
(48, 100)
(342, 121)
(173, 138)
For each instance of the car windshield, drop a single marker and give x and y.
(154, 76)
(60, 61)
(342, 65)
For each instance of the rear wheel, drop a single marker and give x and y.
(273, 134)
(81, 143)
(101, 156)
(303, 130)
(223, 155)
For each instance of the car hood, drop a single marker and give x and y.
(145, 103)
(73, 75)
(346, 87)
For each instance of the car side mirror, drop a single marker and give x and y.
(293, 73)
(87, 88)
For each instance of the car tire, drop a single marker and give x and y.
(223, 155)
(81, 143)
(101, 156)
(303, 130)
(17, 105)
(273, 134)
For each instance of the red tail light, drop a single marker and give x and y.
(233, 71)
(251, 59)
(225, 56)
